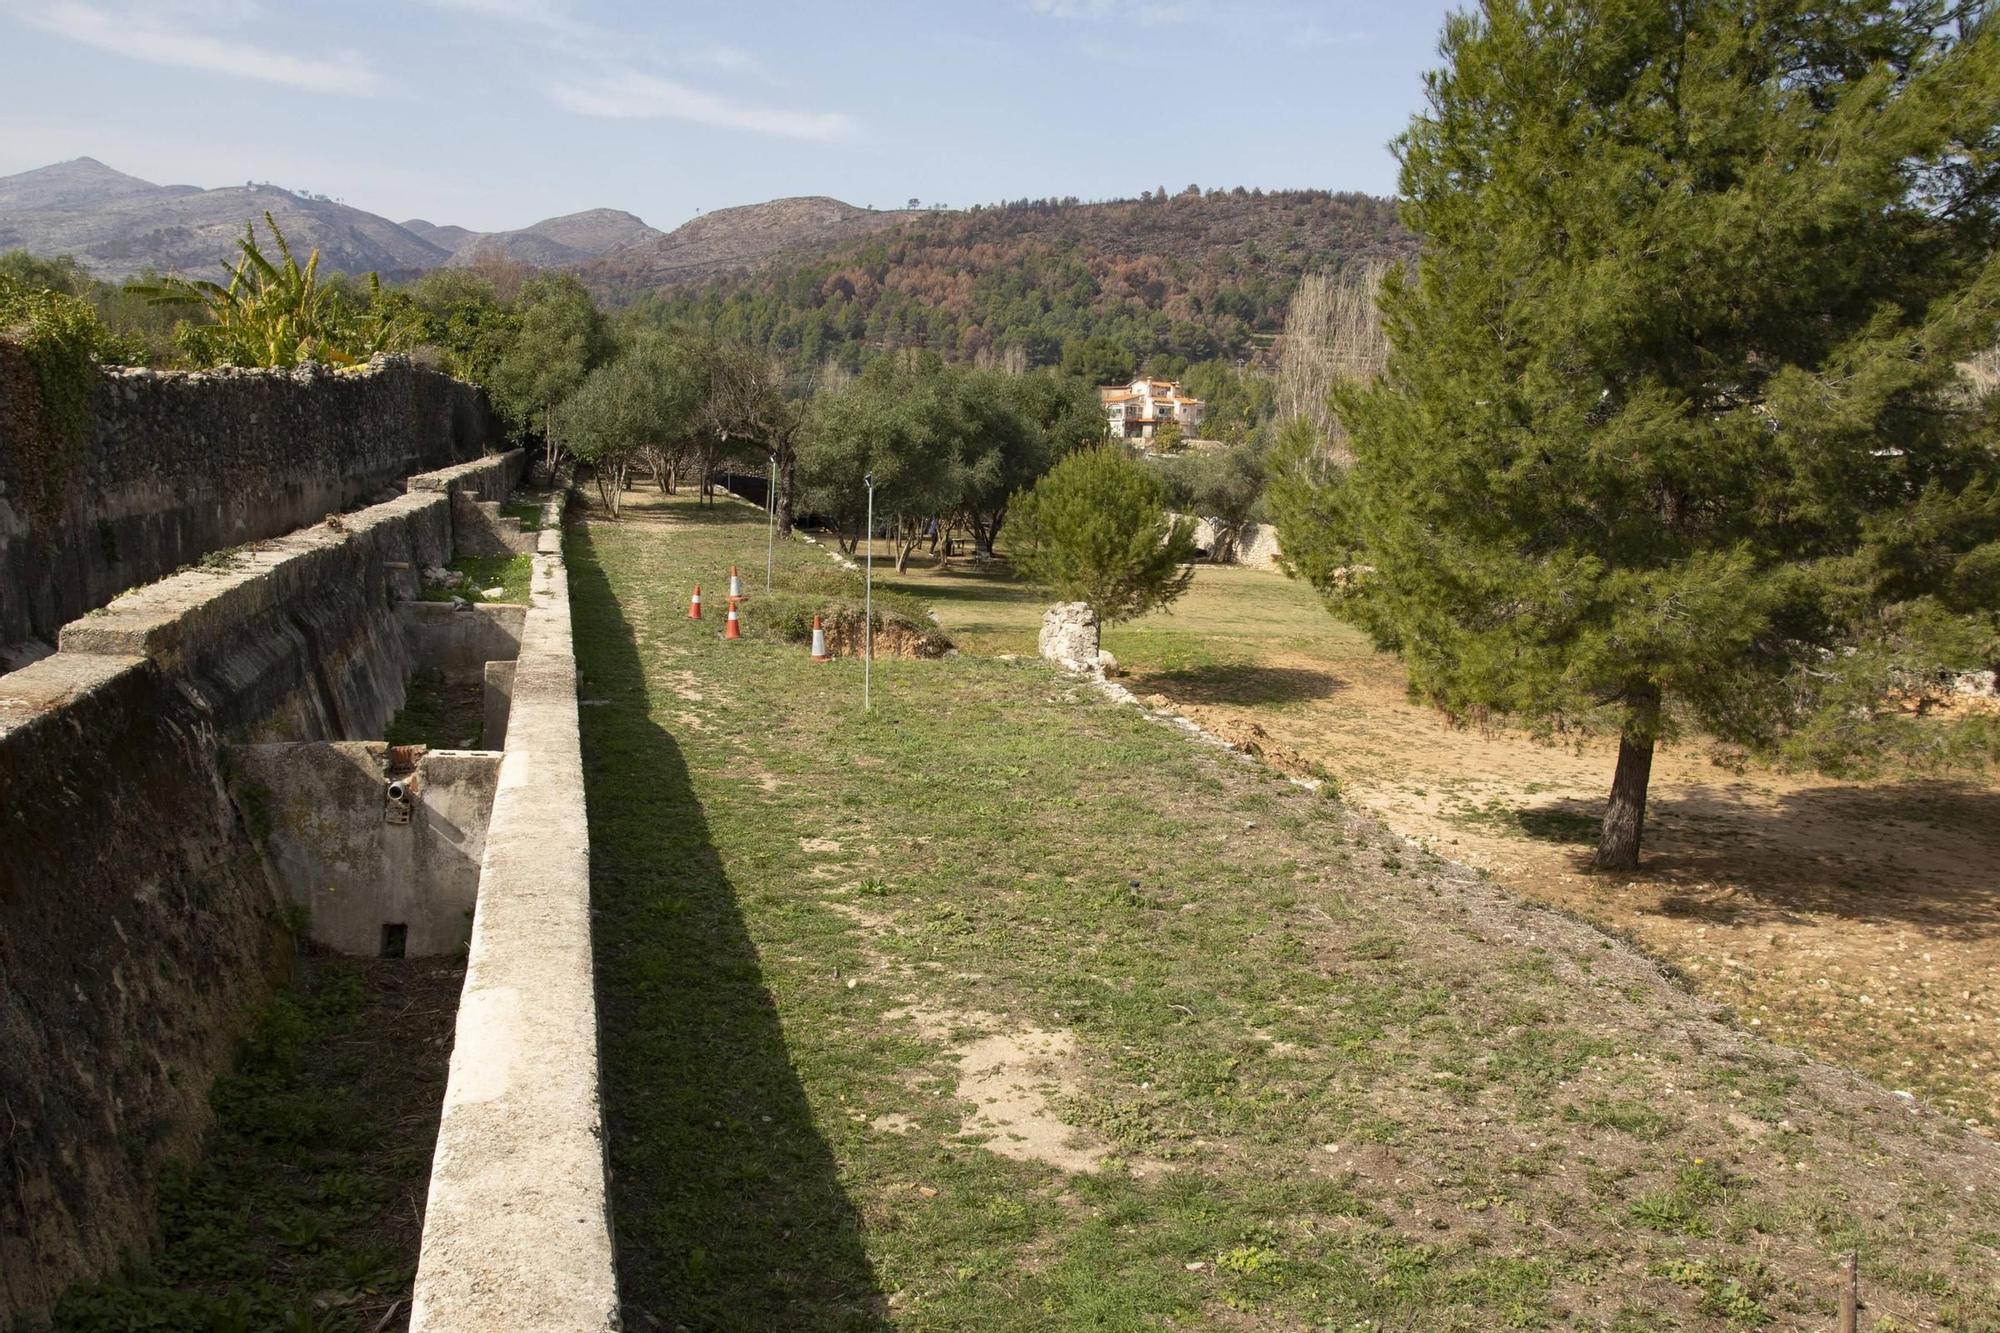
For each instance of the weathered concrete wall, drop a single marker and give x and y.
(460, 639)
(517, 1233)
(498, 698)
(483, 530)
(319, 814)
(178, 465)
(294, 638)
(136, 932)
(137, 923)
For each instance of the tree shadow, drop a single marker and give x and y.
(1239, 683)
(1921, 853)
(727, 1203)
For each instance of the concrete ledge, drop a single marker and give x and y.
(177, 616)
(517, 1234)
(490, 478)
(41, 688)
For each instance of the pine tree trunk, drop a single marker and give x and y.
(1625, 813)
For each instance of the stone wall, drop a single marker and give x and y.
(136, 932)
(460, 638)
(1257, 548)
(137, 925)
(178, 465)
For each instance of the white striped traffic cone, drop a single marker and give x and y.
(820, 653)
(735, 584)
(730, 629)
(694, 604)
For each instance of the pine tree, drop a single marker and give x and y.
(1096, 529)
(1672, 434)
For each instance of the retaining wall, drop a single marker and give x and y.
(177, 465)
(136, 932)
(137, 926)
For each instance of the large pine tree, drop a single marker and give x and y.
(1672, 435)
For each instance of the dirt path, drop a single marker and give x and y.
(1859, 921)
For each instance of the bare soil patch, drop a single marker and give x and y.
(1857, 920)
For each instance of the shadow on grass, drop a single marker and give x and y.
(1239, 683)
(1572, 822)
(1918, 852)
(727, 1202)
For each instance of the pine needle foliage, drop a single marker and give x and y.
(1673, 433)
(1096, 529)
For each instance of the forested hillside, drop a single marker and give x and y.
(1191, 277)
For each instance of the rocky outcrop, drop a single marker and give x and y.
(1069, 636)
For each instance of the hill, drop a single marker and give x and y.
(559, 242)
(117, 225)
(82, 182)
(1193, 276)
(737, 240)
(445, 237)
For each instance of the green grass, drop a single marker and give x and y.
(510, 573)
(439, 714)
(300, 1214)
(1333, 1092)
(1214, 641)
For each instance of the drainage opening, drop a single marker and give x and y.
(394, 933)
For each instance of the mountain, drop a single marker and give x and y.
(447, 238)
(1195, 276)
(82, 182)
(732, 240)
(560, 242)
(117, 225)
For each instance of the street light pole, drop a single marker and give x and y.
(868, 603)
(771, 522)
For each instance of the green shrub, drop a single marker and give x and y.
(51, 345)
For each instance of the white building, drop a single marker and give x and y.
(1135, 411)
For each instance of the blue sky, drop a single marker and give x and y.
(495, 113)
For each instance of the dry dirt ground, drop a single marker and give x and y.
(1859, 921)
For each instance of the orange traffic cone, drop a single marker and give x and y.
(820, 653)
(735, 584)
(729, 628)
(694, 604)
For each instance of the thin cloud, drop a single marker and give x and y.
(1073, 9)
(546, 14)
(1150, 13)
(136, 38)
(634, 96)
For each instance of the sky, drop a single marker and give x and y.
(493, 114)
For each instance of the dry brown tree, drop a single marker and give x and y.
(1331, 335)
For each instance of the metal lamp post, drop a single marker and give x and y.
(868, 603)
(771, 522)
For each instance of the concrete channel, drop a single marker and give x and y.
(201, 760)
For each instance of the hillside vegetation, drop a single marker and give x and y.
(1193, 276)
